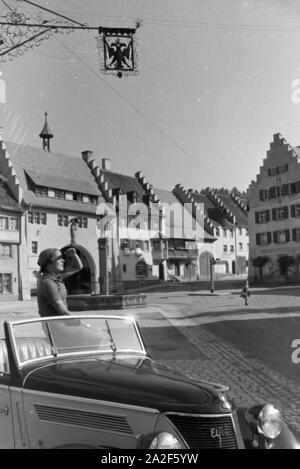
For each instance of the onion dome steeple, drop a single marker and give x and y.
(46, 134)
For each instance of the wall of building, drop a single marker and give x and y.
(216, 249)
(279, 155)
(52, 235)
(9, 267)
(9, 263)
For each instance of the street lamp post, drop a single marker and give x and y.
(212, 280)
(106, 267)
(103, 242)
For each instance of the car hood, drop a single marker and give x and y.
(127, 380)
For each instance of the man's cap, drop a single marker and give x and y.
(47, 256)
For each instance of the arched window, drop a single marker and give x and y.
(141, 269)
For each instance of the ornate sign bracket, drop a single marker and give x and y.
(18, 33)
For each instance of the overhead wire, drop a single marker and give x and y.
(129, 103)
(52, 12)
(7, 6)
(141, 114)
(199, 24)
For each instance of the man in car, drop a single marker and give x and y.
(52, 292)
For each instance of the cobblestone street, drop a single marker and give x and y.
(250, 380)
(251, 372)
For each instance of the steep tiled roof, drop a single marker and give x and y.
(168, 197)
(212, 211)
(127, 184)
(200, 198)
(241, 217)
(7, 200)
(63, 183)
(297, 150)
(52, 170)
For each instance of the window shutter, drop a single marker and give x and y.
(261, 195)
(293, 210)
(267, 215)
(269, 234)
(287, 236)
(285, 189)
(258, 239)
(274, 214)
(286, 212)
(294, 234)
(275, 237)
(256, 217)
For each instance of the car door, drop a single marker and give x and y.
(6, 420)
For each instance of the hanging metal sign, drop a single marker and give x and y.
(118, 52)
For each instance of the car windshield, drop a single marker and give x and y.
(67, 335)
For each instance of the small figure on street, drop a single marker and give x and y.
(245, 292)
(52, 292)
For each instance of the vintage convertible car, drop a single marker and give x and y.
(88, 382)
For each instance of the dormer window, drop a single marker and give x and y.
(59, 194)
(41, 191)
(132, 196)
(77, 197)
(93, 199)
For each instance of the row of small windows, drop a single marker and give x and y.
(63, 195)
(229, 231)
(134, 244)
(225, 248)
(278, 170)
(8, 224)
(277, 237)
(64, 220)
(39, 218)
(279, 213)
(279, 191)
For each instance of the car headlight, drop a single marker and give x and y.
(165, 440)
(269, 421)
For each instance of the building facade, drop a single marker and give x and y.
(175, 249)
(274, 215)
(59, 199)
(226, 221)
(129, 234)
(126, 232)
(10, 240)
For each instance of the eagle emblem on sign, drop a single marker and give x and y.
(118, 51)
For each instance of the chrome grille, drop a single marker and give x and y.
(79, 418)
(206, 432)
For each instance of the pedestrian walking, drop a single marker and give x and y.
(55, 269)
(245, 292)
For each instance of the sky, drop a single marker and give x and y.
(214, 85)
